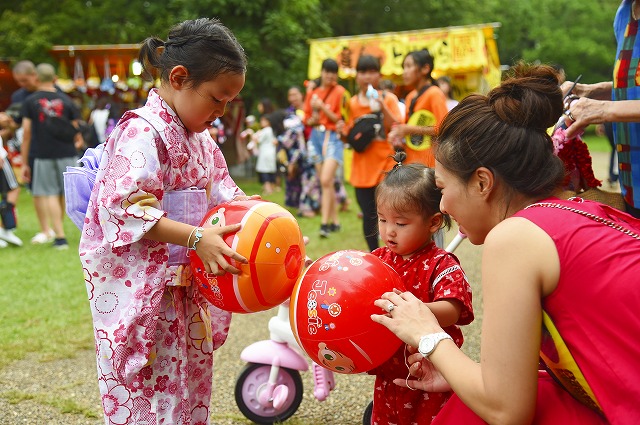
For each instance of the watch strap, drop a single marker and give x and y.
(436, 338)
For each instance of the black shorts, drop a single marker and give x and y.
(267, 177)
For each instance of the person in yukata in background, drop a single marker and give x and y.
(155, 334)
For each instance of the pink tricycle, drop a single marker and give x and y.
(269, 388)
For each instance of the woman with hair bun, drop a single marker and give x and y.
(557, 275)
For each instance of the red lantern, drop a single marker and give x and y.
(331, 307)
(271, 240)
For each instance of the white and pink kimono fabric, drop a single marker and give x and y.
(155, 335)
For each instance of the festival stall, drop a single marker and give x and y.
(88, 72)
(467, 54)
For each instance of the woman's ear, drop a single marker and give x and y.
(482, 181)
(178, 77)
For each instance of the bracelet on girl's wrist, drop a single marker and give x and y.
(197, 233)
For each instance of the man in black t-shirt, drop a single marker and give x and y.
(25, 75)
(51, 153)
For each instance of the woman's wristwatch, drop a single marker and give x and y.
(429, 342)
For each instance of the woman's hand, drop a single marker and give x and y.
(429, 379)
(316, 103)
(409, 317)
(396, 135)
(581, 112)
(214, 252)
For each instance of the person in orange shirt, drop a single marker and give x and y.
(322, 108)
(425, 99)
(368, 167)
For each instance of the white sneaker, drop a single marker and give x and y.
(3, 244)
(9, 236)
(41, 238)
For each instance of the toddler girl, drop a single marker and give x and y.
(408, 216)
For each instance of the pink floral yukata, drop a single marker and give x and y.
(431, 274)
(155, 334)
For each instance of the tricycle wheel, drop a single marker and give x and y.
(368, 412)
(252, 379)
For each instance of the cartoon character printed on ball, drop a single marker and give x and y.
(334, 360)
(217, 219)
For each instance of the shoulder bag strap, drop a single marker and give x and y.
(412, 105)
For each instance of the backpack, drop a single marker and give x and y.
(365, 129)
(60, 128)
(78, 184)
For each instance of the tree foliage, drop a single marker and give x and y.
(574, 33)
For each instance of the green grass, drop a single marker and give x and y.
(597, 143)
(43, 301)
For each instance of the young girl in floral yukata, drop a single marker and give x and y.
(408, 204)
(155, 334)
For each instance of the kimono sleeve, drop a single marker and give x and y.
(128, 199)
(450, 282)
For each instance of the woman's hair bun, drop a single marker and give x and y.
(529, 97)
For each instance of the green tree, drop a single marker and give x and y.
(575, 33)
(273, 33)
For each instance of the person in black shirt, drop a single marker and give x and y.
(51, 154)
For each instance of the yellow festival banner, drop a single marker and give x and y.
(467, 54)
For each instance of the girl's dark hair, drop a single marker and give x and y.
(276, 121)
(267, 105)
(411, 187)
(330, 65)
(204, 46)
(421, 58)
(368, 63)
(506, 132)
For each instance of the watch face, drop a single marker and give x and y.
(428, 342)
(426, 346)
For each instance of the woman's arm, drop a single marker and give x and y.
(588, 111)
(600, 91)
(519, 264)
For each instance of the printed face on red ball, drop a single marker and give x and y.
(403, 232)
(199, 106)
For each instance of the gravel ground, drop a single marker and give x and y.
(37, 391)
(65, 392)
